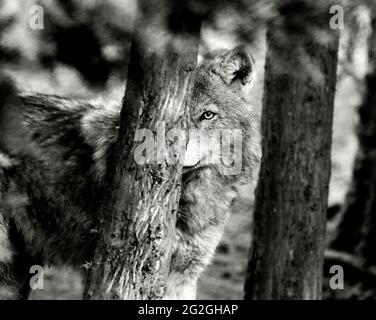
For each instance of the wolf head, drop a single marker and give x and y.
(224, 139)
(223, 134)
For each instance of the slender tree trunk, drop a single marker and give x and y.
(132, 258)
(286, 258)
(357, 230)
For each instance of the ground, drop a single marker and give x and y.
(223, 280)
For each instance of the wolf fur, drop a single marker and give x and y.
(54, 154)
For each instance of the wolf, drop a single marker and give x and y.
(54, 155)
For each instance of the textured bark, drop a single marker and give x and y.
(132, 258)
(286, 258)
(357, 230)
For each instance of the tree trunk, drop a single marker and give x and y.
(132, 257)
(357, 230)
(286, 259)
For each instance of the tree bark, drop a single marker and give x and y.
(357, 230)
(286, 258)
(132, 257)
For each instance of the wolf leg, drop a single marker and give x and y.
(181, 287)
(14, 264)
(191, 255)
(13, 285)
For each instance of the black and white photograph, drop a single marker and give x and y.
(207, 150)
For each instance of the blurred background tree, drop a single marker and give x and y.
(355, 235)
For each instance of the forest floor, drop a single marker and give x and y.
(223, 279)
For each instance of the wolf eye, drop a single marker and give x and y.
(208, 115)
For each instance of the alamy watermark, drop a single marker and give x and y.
(336, 282)
(37, 280)
(219, 147)
(36, 20)
(337, 20)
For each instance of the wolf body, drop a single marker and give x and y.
(54, 155)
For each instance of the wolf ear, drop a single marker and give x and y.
(236, 65)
